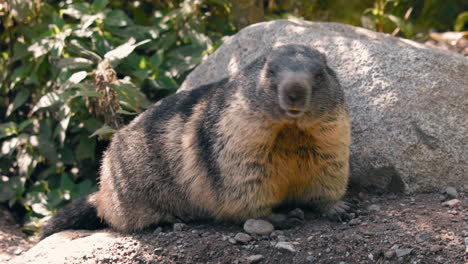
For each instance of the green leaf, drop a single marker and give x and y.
(129, 95)
(66, 156)
(61, 129)
(396, 20)
(46, 146)
(54, 199)
(165, 41)
(18, 74)
(20, 50)
(21, 9)
(75, 47)
(92, 124)
(124, 112)
(104, 131)
(117, 18)
(23, 125)
(114, 56)
(157, 58)
(20, 99)
(9, 146)
(11, 187)
(86, 148)
(26, 164)
(84, 188)
(461, 20)
(99, 4)
(66, 182)
(8, 129)
(405, 27)
(47, 100)
(73, 63)
(88, 94)
(183, 59)
(37, 201)
(77, 10)
(76, 78)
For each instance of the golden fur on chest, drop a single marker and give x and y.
(299, 158)
(292, 162)
(266, 164)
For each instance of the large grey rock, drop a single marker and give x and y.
(408, 101)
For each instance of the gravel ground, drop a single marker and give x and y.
(408, 229)
(387, 229)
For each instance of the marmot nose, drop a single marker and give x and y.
(295, 96)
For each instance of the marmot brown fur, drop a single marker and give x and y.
(277, 132)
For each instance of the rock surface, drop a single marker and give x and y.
(407, 101)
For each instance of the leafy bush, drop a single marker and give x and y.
(72, 71)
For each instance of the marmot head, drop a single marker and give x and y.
(295, 84)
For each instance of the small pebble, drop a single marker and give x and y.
(451, 203)
(276, 218)
(242, 238)
(157, 250)
(374, 207)
(311, 259)
(255, 258)
(285, 246)
(157, 230)
(436, 248)
(451, 192)
(178, 227)
(355, 221)
(256, 226)
(453, 212)
(282, 238)
(391, 196)
(423, 237)
(297, 213)
(401, 252)
(389, 254)
(362, 196)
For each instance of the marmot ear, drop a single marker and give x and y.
(324, 58)
(331, 72)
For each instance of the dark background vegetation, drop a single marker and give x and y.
(72, 72)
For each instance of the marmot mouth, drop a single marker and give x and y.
(294, 113)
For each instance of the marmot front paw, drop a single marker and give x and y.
(340, 211)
